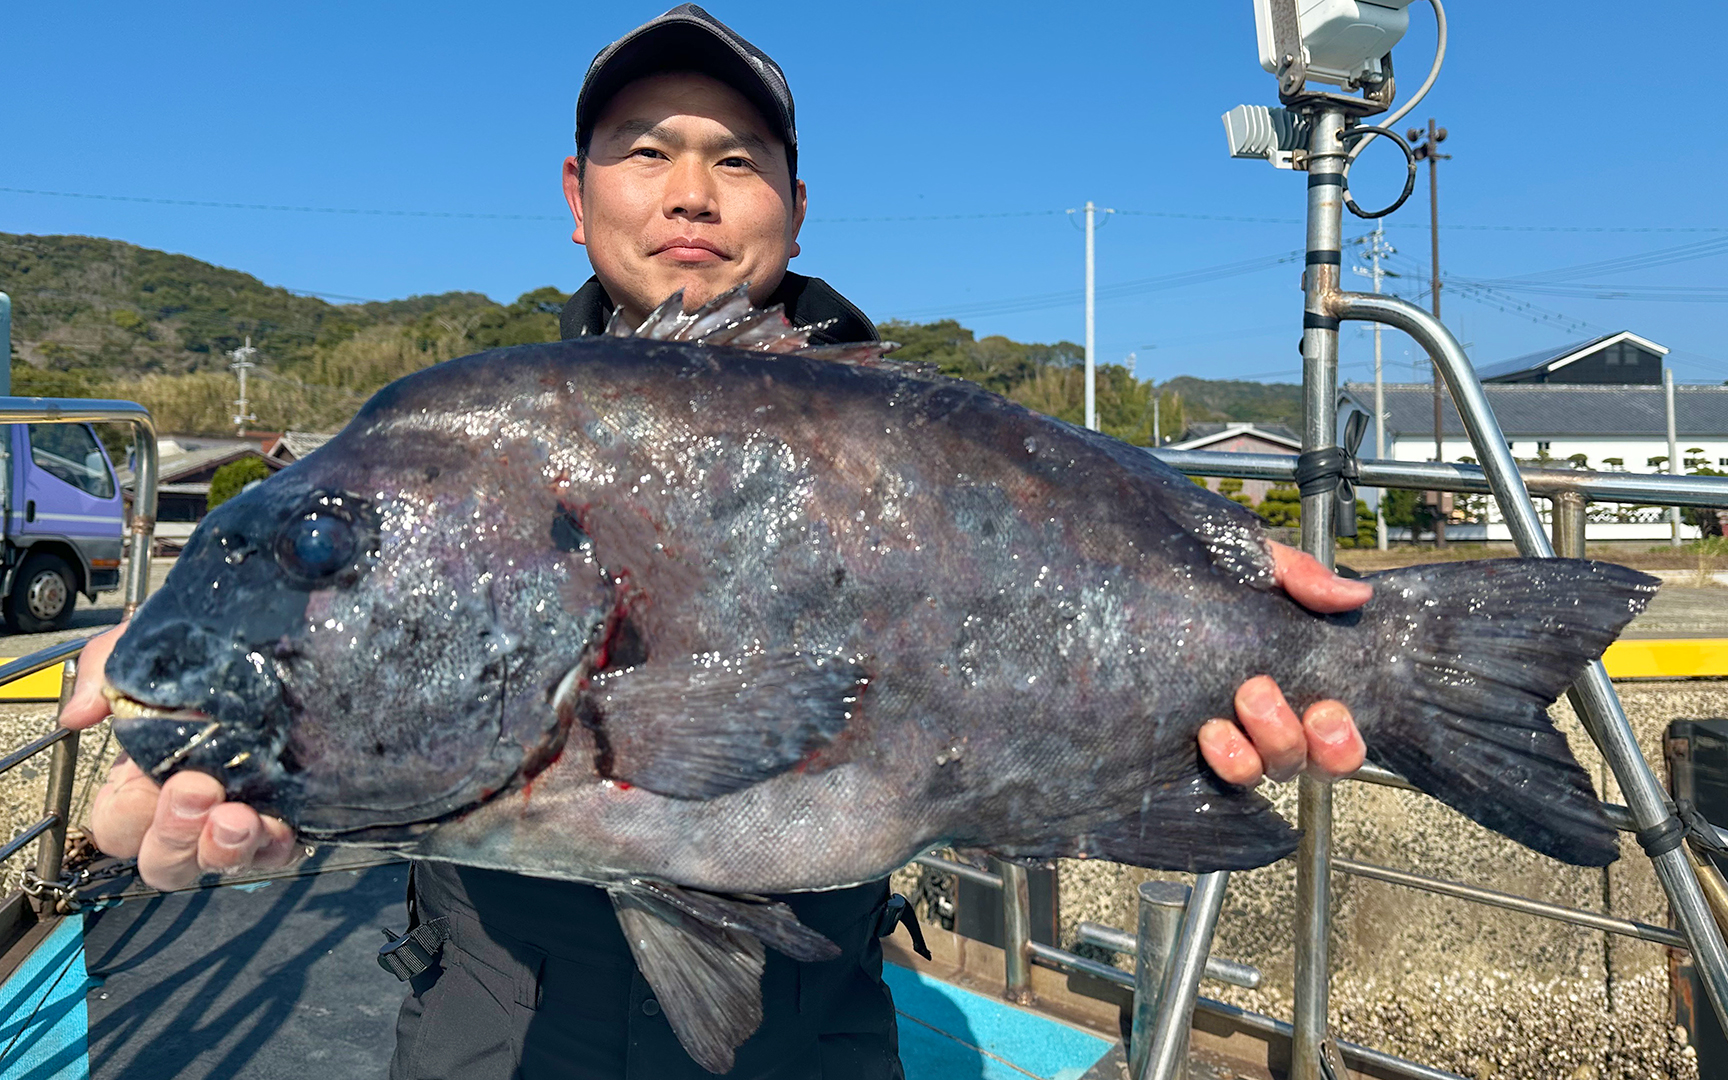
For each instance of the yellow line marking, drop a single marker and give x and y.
(42, 686)
(1667, 658)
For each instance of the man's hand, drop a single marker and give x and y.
(1266, 738)
(177, 830)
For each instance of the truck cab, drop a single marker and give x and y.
(64, 522)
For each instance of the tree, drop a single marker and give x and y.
(1282, 506)
(232, 478)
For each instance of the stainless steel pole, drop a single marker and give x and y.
(62, 777)
(1570, 511)
(1320, 281)
(1673, 454)
(1379, 402)
(1091, 337)
(1161, 906)
(1167, 1053)
(1016, 934)
(1601, 712)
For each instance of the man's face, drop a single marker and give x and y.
(686, 187)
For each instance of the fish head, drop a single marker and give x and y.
(367, 642)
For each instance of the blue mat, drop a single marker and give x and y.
(43, 1021)
(947, 1033)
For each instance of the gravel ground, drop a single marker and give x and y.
(1481, 992)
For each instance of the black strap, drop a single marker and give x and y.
(1333, 468)
(1686, 823)
(898, 912)
(407, 955)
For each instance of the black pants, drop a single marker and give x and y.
(536, 982)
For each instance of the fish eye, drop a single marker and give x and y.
(320, 543)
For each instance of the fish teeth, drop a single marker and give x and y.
(126, 708)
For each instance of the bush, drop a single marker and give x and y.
(232, 478)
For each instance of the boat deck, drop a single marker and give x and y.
(276, 980)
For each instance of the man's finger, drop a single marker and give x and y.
(1273, 727)
(1313, 586)
(281, 846)
(123, 809)
(87, 706)
(168, 856)
(231, 838)
(1230, 754)
(1335, 747)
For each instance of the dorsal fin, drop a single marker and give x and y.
(730, 319)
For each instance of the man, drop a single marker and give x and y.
(685, 177)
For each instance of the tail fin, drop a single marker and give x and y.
(1478, 651)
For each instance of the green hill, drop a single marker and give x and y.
(104, 318)
(1231, 399)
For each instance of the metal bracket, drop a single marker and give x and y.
(1287, 40)
(1331, 1061)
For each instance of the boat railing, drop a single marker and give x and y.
(42, 893)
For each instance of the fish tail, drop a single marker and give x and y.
(1470, 656)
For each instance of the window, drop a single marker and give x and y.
(1722, 461)
(69, 452)
(1542, 447)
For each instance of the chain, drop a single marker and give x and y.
(63, 892)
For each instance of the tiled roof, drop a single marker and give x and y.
(1531, 363)
(295, 445)
(1537, 410)
(1199, 434)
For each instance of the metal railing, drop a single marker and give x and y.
(1172, 957)
(62, 743)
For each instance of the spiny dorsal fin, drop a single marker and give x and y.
(730, 319)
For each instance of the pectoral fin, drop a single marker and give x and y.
(708, 728)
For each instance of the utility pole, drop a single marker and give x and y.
(1429, 151)
(1378, 249)
(241, 365)
(1673, 452)
(1091, 329)
(1091, 211)
(6, 344)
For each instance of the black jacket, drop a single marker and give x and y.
(537, 982)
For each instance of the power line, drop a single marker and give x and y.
(212, 204)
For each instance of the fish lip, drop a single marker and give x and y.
(123, 706)
(165, 739)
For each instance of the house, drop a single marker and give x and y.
(1618, 359)
(1595, 426)
(291, 446)
(1240, 438)
(185, 466)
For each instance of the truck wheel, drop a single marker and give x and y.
(43, 595)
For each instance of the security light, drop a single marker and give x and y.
(1334, 41)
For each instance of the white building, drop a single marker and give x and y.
(1599, 426)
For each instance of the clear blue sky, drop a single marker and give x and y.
(1573, 115)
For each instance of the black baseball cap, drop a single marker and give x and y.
(689, 39)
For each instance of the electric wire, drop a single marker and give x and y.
(1421, 92)
(887, 219)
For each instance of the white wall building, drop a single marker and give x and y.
(1613, 428)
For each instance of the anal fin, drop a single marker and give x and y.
(702, 730)
(1198, 825)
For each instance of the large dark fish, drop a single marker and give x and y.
(696, 623)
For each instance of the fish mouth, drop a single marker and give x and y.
(168, 736)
